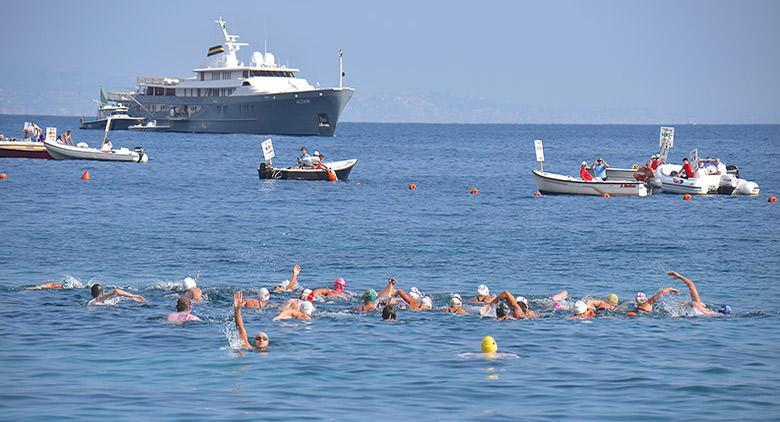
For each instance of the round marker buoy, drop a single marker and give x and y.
(85, 175)
(771, 198)
(412, 186)
(3, 176)
(474, 191)
(687, 197)
(332, 177)
(537, 194)
(605, 195)
(489, 345)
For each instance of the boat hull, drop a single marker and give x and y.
(559, 184)
(341, 168)
(307, 113)
(68, 152)
(23, 149)
(117, 123)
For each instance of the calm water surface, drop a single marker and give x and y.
(198, 209)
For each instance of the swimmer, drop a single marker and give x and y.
(369, 301)
(261, 341)
(643, 304)
(191, 290)
(182, 314)
(263, 296)
(483, 295)
(456, 305)
(696, 302)
(289, 285)
(511, 309)
(100, 297)
(387, 293)
(583, 311)
(604, 305)
(50, 286)
(296, 309)
(388, 313)
(415, 299)
(337, 291)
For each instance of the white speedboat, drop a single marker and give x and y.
(150, 126)
(83, 152)
(558, 183)
(704, 183)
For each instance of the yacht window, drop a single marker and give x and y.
(149, 90)
(246, 73)
(201, 75)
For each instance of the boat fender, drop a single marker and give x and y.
(82, 145)
(332, 176)
(746, 187)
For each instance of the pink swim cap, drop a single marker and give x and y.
(558, 306)
(339, 284)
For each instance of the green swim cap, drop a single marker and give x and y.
(370, 295)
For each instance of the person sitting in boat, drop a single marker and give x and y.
(2, 137)
(687, 170)
(714, 166)
(655, 161)
(645, 172)
(600, 169)
(584, 175)
(106, 147)
(66, 138)
(305, 160)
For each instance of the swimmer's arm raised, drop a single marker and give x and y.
(660, 294)
(295, 271)
(238, 300)
(691, 286)
(517, 311)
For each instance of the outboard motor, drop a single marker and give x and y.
(654, 184)
(732, 170)
(142, 157)
(727, 184)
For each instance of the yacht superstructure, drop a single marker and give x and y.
(225, 96)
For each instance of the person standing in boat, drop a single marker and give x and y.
(600, 169)
(687, 170)
(584, 175)
(66, 138)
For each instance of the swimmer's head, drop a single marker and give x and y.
(97, 290)
(559, 306)
(426, 303)
(456, 301)
(489, 345)
(263, 295)
(522, 302)
(189, 283)
(340, 284)
(369, 295)
(483, 290)
(415, 293)
(261, 340)
(306, 294)
(725, 309)
(641, 298)
(282, 286)
(502, 310)
(307, 307)
(580, 307)
(612, 299)
(388, 312)
(183, 304)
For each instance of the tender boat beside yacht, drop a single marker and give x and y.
(81, 151)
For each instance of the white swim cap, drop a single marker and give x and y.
(426, 301)
(283, 285)
(415, 293)
(580, 307)
(264, 294)
(305, 294)
(455, 300)
(189, 283)
(584, 163)
(307, 307)
(521, 299)
(483, 290)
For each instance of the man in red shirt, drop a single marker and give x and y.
(655, 162)
(687, 170)
(584, 175)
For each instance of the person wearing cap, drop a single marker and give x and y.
(260, 341)
(415, 299)
(646, 171)
(517, 307)
(337, 291)
(483, 295)
(687, 170)
(191, 290)
(600, 169)
(583, 311)
(643, 304)
(99, 297)
(388, 313)
(603, 305)
(183, 312)
(289, 285)
(584, 175)
(263, 296)
(655, 162)
(696, 302)
(456, 305)
(369, 301)
(296, 309)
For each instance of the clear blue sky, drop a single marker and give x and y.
(443, 61)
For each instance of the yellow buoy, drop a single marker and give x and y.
(489, 345)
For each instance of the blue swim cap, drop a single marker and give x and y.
(725, 309)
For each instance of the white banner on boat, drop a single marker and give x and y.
(268, 149)
(667, 137)
(539, 150)
(51, 134)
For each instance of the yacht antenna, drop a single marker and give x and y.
(265, 39)
(341, 68)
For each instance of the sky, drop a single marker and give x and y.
(557, 61)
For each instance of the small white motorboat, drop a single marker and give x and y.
(557, 183)
(149, 126)
(83, 152)
(704, 183)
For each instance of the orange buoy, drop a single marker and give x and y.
(537, 194)
(474, 191)
(3, 176)
(332, 176)
(630, 313)
(605, 195)
(771, 198)
(85, 175)
(687, 197)
(412, 186)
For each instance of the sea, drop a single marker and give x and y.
(198, 209)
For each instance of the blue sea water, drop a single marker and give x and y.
(198, 209)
